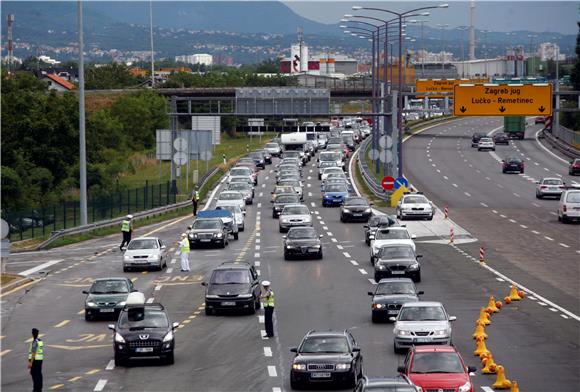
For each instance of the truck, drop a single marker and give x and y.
(295, 141)
(514, 126)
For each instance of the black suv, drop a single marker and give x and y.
(397, 261)
(281, 200)
(475, 139)
(377, 221)
(390, 294)
(326, 357)
(106, 297)
(501, 138)
(386, 384)
(355, 209)
(232, 286)
(302, 242)
(143, 330)
(208, 232)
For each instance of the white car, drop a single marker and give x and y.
(397, 235)
(485, 143)
(326, 164)
(238, 215)
(145, 252)
(569, 206)
(414, 205)
(330, 170)
(241, 171)
(231, 198)
(273, 148)
(549, 187)
(294, 215)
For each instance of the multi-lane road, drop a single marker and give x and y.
(536, 340)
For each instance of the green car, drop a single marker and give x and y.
(106, 297)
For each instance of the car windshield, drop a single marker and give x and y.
(319, 344)
(437, 362)
(240, 186)
(381, 220)
(143, 318)
(109, 287)
(390, 388)
(356, 202)
(143, 244)
(295, 210)
(230, 277)
(243, 179)
(284, 189)
(257, 155)
(335, 188)
(333, 170)
(240, 171)
(293, 183)
(554, 181)
(391, 288)
(335, 156)
(272, 145)
(285, 199)
(206, 224)
(396, 252)
(415, 200)
(289, 154)
(573, 197)
(301, 233)
(392, 235)
(334, 146)
(230, 196)
(422, 313)
(232, 209)
(328, 164)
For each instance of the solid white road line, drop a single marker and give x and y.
(40, 267)
(100, 385)
(110, 365)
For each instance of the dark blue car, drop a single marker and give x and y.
(334, 194)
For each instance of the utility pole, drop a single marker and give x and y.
(151, 38)
(82, 137)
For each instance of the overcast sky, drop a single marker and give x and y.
(538, 16)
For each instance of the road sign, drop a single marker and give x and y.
(180, 158)
(396, 196)
(503, 100)
(388, 183)
(401, 181)
(386, 141)
(440, 86)
(180, 144)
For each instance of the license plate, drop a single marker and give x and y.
(392, 312)
(106, 310)
(140, 261)
(422, 340)
(553, 188)
(144, 349)
(228, 304)
(398, 272)
(356, 214)
(205, 240)
(320, 375)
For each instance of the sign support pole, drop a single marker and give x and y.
(173, 137)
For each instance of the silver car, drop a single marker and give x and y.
(273, 148)
(245, 189)
(231, 198)
(294, 215)
(238, 215)
(485, 143)
(145, 252)
(421, 323)
(549, 187)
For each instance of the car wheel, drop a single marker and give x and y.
(88, 317)
(396, 349)
(126, 269)
(170, 359)
(320, 255)
(417, 277)
(223, 244)
(342, 218)
(559, 217)
(258, 304)
(286, 256)
(295, 385)
(564, 219)
(120, 360)
(236, 236)
(430, 218)
(208, 312)
(538, 196)
(375, 319)
(243, 228)
(377, 277)
(252, 309)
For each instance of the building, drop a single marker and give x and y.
(204, 59)
(48, 60)
(57, 83)
(549, 51)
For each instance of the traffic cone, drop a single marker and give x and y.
(479, 330)
(515, 387)
(507, 300)
(481, 349)
(483, 358)
(484, 316)
(491, 308)
(490, 366)
(514, 296)
(501, 382)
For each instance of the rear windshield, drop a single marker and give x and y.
(230, 196)
(143, 244)
(573, 197)
(143, 318)
(272, 145)
(555, 181)
(240, 171)
(437, 362)
(335, 188)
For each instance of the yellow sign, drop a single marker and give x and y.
(396, 196)
(503, 100)
(440, 86)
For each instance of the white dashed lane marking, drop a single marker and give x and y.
(362, 271)
(272, 371)
(267, 352)
(353, 262)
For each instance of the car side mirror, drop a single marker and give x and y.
(85, 292)
(271, 201)
(420, 292)
(452, 318)
(174, 325)
(401, 369)
(204, 284)
(294, 350)
(366, 226)
(471, 369)
(370, 293)
(393, 319)
(419, 256)
(111, 327)
(163, 246)
(284, 236)
(413, 236)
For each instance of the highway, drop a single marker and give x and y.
(536, 341)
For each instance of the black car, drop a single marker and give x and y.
(501, 138)
(574, 167)
(106, 297)
(326, 357)
(142, 331)
(378, 221)
(267, 156)
(390, 294)
(475, 138)
(259, 159)
(232, 286)
(386, 384)
(355, 209)
(512, 164)
(208, 232)
(302, 242)
(349, 142)
(397, 260)
(281, 200)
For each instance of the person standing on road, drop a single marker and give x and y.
(35, 358)
(268, 304)
(195, 200)
(184, 252)
(126, 230)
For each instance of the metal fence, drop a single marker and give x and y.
(567, 136)
(369, 178)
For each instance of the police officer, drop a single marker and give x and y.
(195, 200)
(126, 230)
(184, 252)
(35, 358)
(268, 304)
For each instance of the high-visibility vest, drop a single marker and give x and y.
(184, 246)
(39, 350)
(196, 196)
(126, 226)
(268, 299)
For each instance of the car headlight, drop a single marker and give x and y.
(194, 235)
(119, 338)
(289, 247)
(127, 258)
(379, 306)
(245, 296)
(346, 210)
(465, 387)
(298, 366)
(154, 257)
(168, 337)
(407, 209)
(414, 266)
(368, 210)
(380, 266)
(401, 332)
(342, 366)
(91, 304)
(315, 246)
(285, 220)
(440, 332)
(211, 296)
(218, 235)
(122, 303)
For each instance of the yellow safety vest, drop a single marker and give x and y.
(185, 249)
(268, 299)
(126, 226)
(39, 350)
(196, 196)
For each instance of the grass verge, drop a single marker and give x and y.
(7, 278)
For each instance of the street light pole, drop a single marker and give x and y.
(443, 26)
(82, 134)
(151, 39)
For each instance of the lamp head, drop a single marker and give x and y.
(356, 7)
(443, 5)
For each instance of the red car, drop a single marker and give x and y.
(437, 368)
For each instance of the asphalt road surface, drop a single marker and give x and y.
(536, 341)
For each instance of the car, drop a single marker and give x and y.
(549, 187)
(322, 140)
(569, 205)
(244, 179)
(355, 209)
(293, 154)
(421, 323)
(106, 297)
(331, 170)
(415, 205)
(238, 214)
(280, 189)
(267, 156)
(377, 221)
(282, 200)
(143, 330)
(389, 296)
(273, 148)
(294, 183)
(334, 194)
(302, 242)
(232, 286)
(208, 231)
(310, 148)
(397, 260)
(540, 120)
(326, 164)
(238, 171)
(349, 142)
(399, 383)
(258, 158)
(339, 147)
(331, 156)
(293, 215)
(231, 198)
(335, 179)
(437, 368)
(486, 143)
(288, 176)
(296, 162)
(226, 216)
(397, 235)
(574, 168)
(245, 189)
(326, 357)
(512, 164)
(501, 138)
(286, 173)
(289, 166)
(144, 253)
(475, 139)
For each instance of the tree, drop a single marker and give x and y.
(109, 76)
(575, 77)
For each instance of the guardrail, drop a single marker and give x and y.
(116, 221)
(561, 145)
(370, 180)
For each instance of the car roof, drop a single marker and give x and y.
(395, 280)
(233, 265)
(434, 348)
(145, 238)
(326, 333)
(112, 278)
(423, 304)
